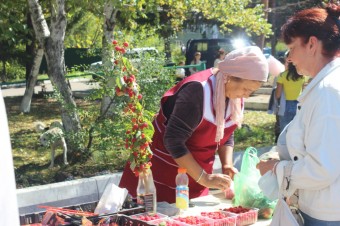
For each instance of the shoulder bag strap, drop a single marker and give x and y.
(286, 193)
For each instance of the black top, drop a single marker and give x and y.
(184, 112)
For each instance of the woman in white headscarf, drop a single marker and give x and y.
(197, 117)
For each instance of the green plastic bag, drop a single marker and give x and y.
(247, 191)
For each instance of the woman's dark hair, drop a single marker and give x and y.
(324, 24)
(292, 73)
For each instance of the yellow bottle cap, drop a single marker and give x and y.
(182, 170)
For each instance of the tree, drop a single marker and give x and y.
(280, 10)
(169, 16)
(124, 12)
(13, 33)
(36, 52)
(52, 40)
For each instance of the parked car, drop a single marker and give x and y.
(209, 48)
(135, 56)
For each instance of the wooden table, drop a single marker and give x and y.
(215, 201)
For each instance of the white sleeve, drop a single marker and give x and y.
(319, 167)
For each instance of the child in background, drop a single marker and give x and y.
(197, 60)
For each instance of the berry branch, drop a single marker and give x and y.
(140, 131)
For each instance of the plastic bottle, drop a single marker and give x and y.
(146, 192)
(182, 189)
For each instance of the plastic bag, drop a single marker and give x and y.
(269, 185)
(229, 193)
(247, 191)
(112, 199)
(283, 215)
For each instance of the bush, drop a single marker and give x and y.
(109, 134)
(14, 71)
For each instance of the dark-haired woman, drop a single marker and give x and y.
(291, 83)
(311, 142)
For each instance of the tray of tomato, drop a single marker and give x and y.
(245, 216)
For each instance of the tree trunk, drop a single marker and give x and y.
(56, 71)
(52, 41)
(273, 40)
(167, 49)
(25, 106)
(110, 13)
(30, 49)
(261, 40)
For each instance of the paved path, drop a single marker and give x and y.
(80, 87)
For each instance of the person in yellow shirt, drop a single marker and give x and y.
(291, 83)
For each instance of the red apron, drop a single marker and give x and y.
(201, 144)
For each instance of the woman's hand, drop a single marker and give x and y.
(229, 170)
(265, 165)
(218, 180)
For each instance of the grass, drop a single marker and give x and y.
(257, 130)
(31, 160)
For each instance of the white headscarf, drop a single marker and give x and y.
(246, 63)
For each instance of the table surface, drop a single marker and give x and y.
(215, 201)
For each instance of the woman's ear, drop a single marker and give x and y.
(313, 42)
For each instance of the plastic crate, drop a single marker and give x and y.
(246, 218)
(32, 218)
(122, 220)
(221, 218)
(35, 218)
(193, 220)
(165, 222)
(148, 216)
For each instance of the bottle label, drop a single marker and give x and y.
(148, 202)
(182, 197)
(140, 200)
